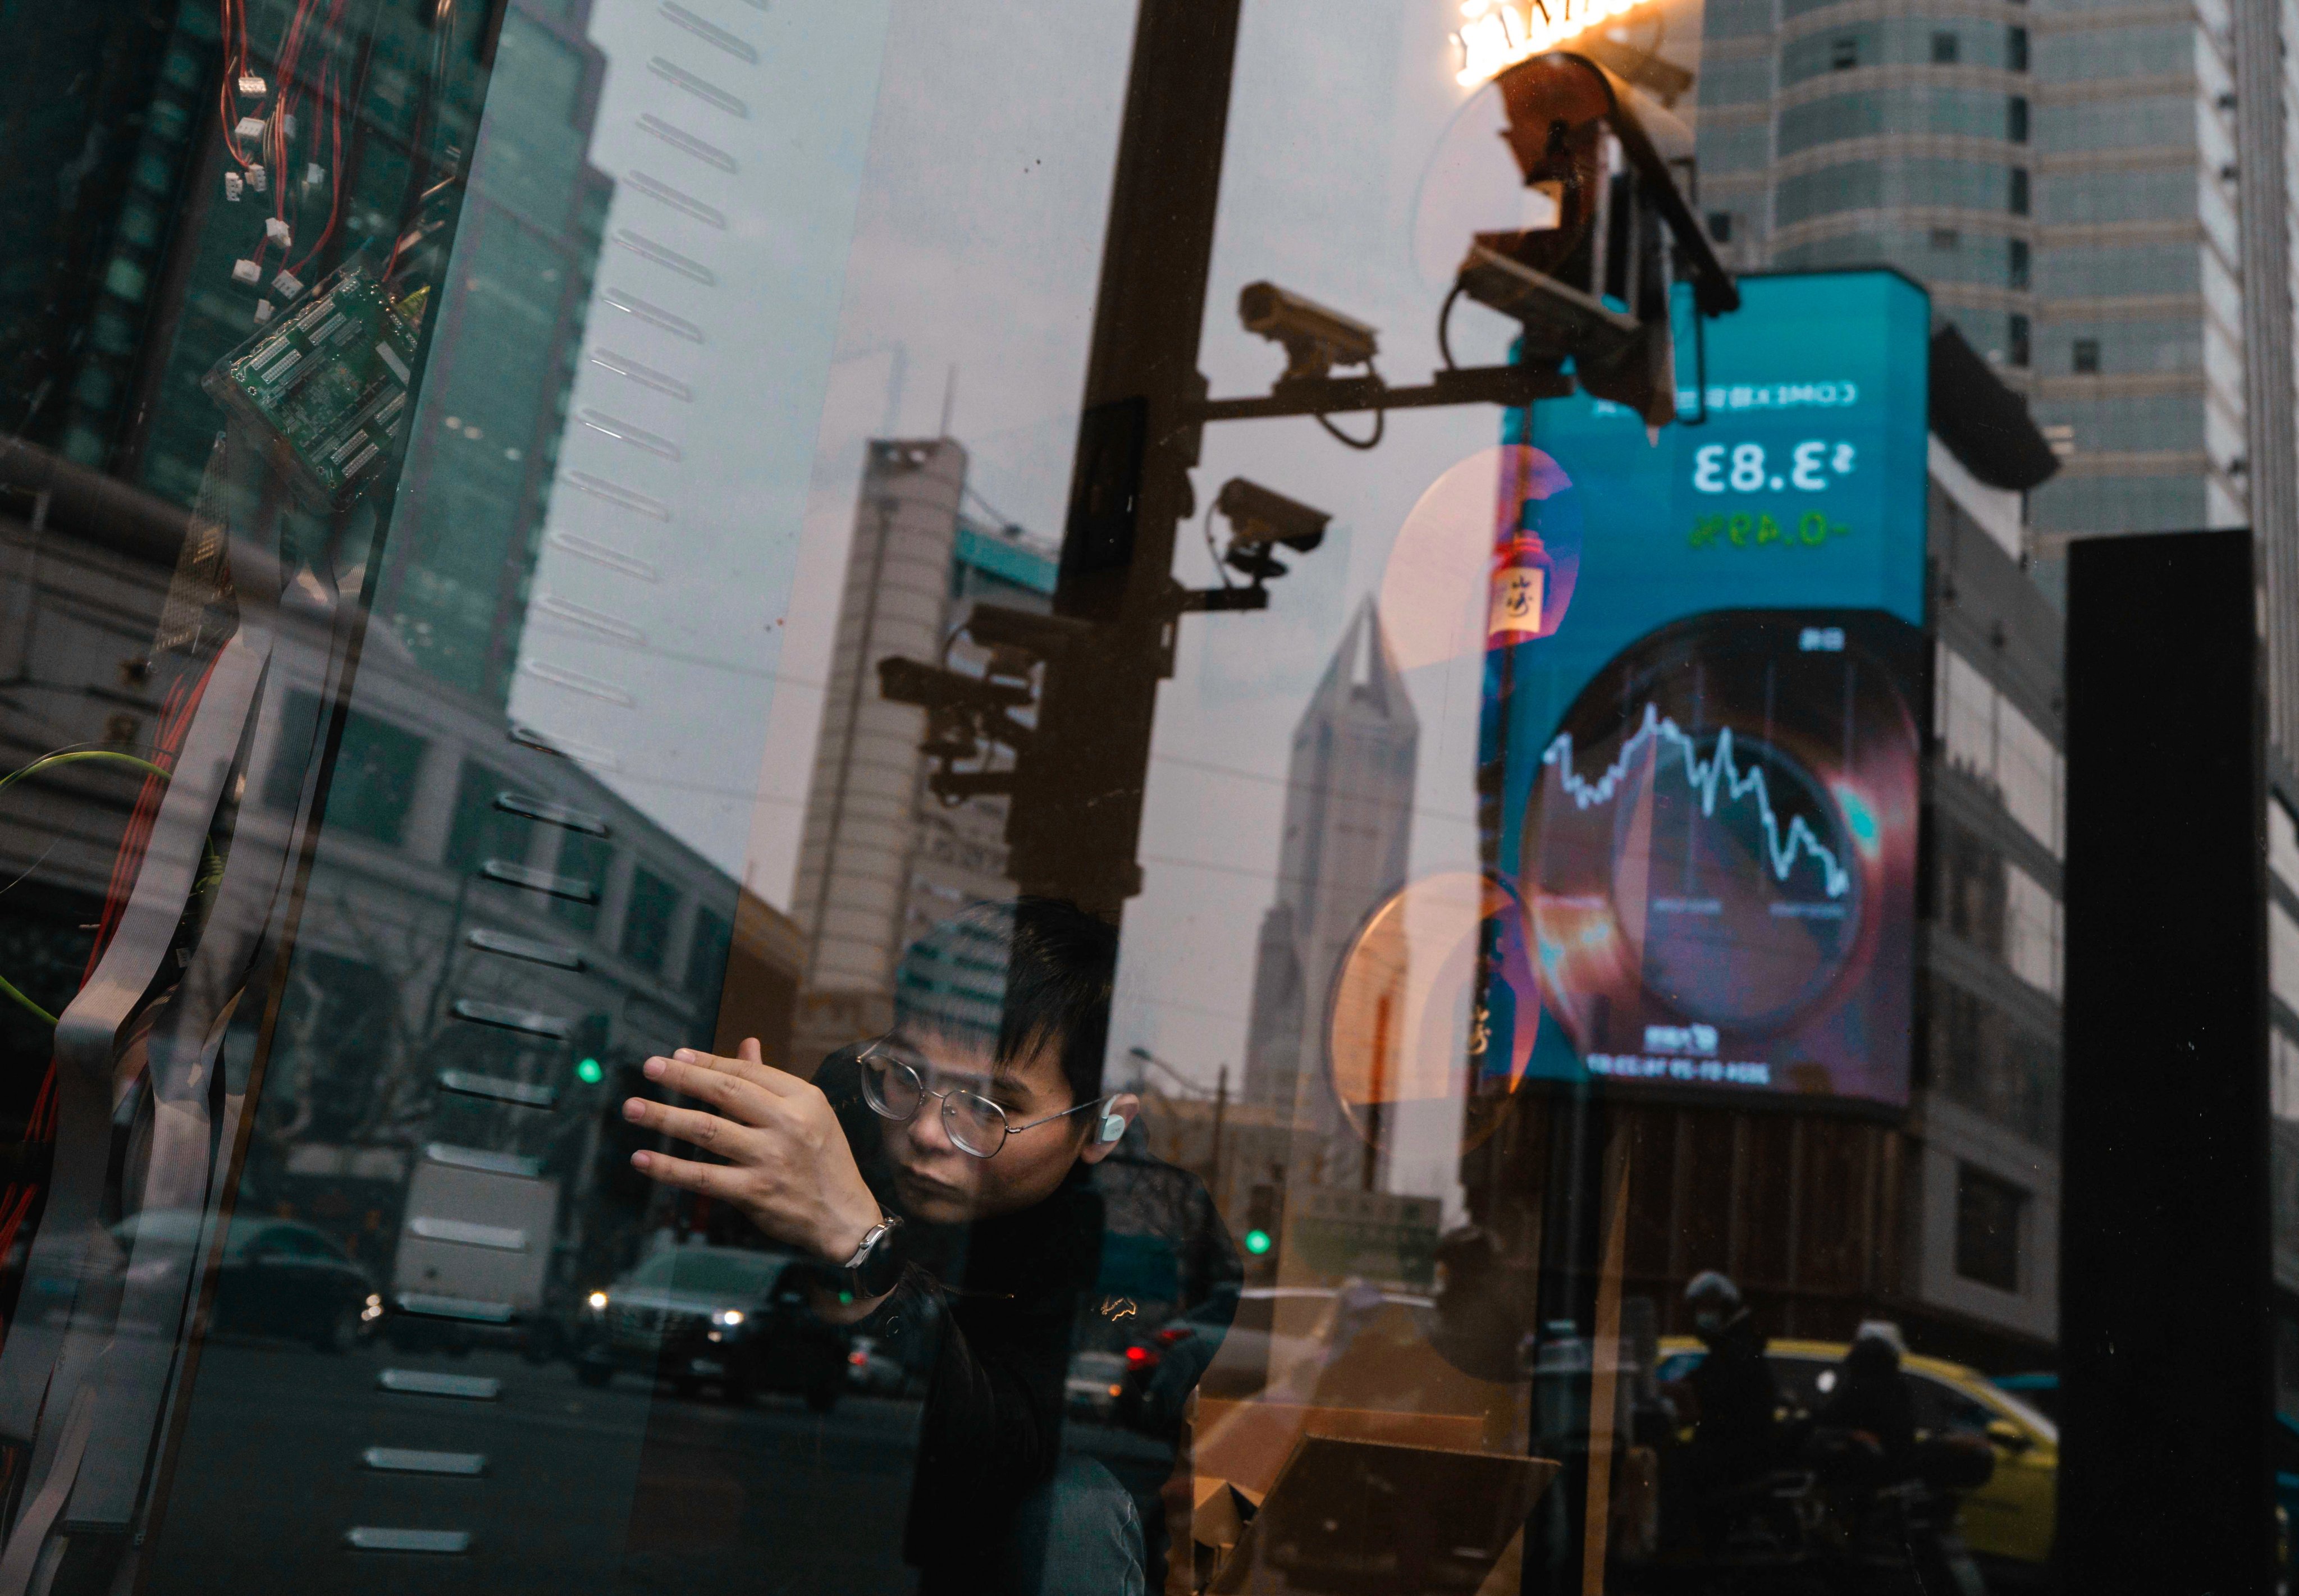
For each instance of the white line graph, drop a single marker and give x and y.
(1719, 774)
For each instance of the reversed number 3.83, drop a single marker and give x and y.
(1756, 531)
(1741, 468)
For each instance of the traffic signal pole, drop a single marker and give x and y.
(1075, 823)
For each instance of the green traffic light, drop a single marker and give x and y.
(589, 1073)
(1257, 1241)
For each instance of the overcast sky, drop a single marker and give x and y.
(921, 188)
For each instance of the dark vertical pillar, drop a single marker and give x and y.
(1077, 817)
(2165, 1485)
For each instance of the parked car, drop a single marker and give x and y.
(274, 1277)
(724, 1316)
(1096, 1381)
(2009, 1522)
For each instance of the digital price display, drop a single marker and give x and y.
(1711, 771)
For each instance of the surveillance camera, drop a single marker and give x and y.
(1259, 515)
(938, 691)
(1042, 637)
(1316, 339)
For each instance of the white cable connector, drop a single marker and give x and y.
(314, 174)
(257, 178)
(233, 185)
(252, 85)
(287, 284)
(250, 127)
(277, 231)
(262, 311)
(246, 272)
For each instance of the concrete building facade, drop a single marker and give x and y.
(881, 860)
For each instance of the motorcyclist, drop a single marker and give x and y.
(1734, 1437)
(1868, 1421)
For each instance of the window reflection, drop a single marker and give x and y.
(1506, 572)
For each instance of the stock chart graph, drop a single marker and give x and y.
(1721, 848)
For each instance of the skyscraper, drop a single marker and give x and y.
(1348, 820)
(2077, 187)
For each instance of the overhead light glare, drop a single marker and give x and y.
(1495, 35)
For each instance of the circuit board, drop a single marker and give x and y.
(329, 382)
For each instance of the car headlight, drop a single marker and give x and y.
(728, 1317)
(598, 1301)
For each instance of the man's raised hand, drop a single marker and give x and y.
(787, 1164)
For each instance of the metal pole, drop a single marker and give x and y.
(1076, 818)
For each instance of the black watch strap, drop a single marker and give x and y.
(879, 1269)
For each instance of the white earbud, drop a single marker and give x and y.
(1113, 1127)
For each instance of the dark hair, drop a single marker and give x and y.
(1020, 974)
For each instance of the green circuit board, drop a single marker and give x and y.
(329, 381)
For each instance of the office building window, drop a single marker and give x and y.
(1986, 736)
(2015, 119)
(1720, 226)
(2031, 930)
(706, 954)
(1843, 53)
(2283, 956)
(1944, 49)
(2015, 49)
(2084, 357)
(1946, 238)
(2017, 340)
(2283, 843)
(2283, 1075)
(2018, 191)
(582, 859)
(1987, 1216)
(647, 917)
(2016, 263)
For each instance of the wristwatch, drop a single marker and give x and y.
(876, 1266)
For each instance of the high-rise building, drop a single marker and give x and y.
(527, 247)
(2069, 185)
(882, 859)
(106, 348)
(1349, 820)
(2099, 198)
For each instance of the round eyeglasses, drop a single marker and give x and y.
(895, 1087)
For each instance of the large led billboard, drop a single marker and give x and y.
(1707, 775)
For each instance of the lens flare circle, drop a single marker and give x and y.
(1434, 1003)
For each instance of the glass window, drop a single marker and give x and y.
(2283, 843)
(1348, 734)
(2031, 930)
(1988, 1216)
(2282, 955)
(647, 918)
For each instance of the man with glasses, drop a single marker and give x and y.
(949, 1167)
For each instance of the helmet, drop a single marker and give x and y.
(1714, 1301)
(1885, 1331)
